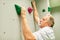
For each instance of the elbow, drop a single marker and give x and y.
(31, 39)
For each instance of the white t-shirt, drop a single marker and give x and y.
(44, 34)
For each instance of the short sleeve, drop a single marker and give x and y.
(38, 36)
(51, 34)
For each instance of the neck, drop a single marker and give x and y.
(44, 26)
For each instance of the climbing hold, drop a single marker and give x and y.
(43, 10)
(18, 9)
(49, 9)
(29, 10)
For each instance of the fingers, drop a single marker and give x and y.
(33, 3)
(23, 12)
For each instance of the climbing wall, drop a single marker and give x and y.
(10, 22)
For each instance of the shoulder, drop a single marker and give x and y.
(38, 35)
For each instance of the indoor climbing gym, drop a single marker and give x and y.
(29, 19)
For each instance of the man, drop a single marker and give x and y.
(45, 24)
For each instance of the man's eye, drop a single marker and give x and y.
(44, 19)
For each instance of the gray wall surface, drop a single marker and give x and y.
(10, 23)
(56, 13)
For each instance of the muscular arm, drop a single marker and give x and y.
(35, 13)
(26, 30)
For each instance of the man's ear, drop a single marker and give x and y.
(49, 24)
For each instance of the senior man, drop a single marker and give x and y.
(45, 24)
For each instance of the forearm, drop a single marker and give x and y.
(26, 30)
(36, 17)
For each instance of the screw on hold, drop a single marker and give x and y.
(4, 32)
(3, 3)
(13, 19)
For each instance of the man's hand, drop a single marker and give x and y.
(33, 4)
(23, 12)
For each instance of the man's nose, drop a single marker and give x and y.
(41, 20)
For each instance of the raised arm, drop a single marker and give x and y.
(25, 27)
(35, 12)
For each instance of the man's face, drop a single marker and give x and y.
(44, 21)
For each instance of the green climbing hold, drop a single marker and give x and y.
(18, 9)
(49, 9)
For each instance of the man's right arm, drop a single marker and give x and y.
(28, 35)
